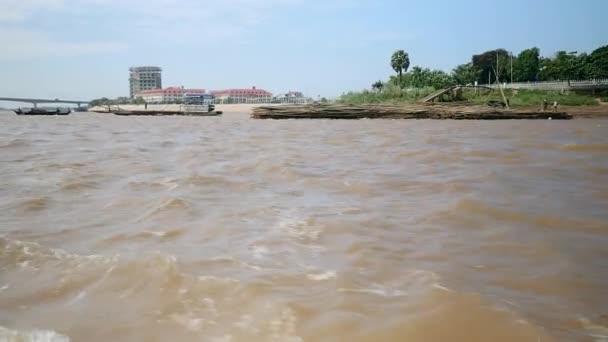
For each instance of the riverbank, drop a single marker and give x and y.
(522, 100)
(577, 112)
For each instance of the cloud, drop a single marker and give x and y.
(170, 21)
(19, 10)
(173, 21)
(111, 23)
(20, 43)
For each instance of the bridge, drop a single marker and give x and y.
(35, 102)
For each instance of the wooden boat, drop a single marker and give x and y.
(164, 113)
(186, 110)
(42, 111)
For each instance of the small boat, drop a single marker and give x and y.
(42, 111)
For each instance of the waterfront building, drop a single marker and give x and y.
(142, 78)
(168, 95)
(252, 95)
(295, 97)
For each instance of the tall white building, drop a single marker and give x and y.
(144, 78)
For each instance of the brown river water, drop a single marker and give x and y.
(231, 229)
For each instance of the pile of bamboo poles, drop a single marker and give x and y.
(406, 111)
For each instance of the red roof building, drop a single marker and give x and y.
(252, 95)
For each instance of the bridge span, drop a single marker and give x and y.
(35, 102)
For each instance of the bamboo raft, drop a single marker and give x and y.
(408, 111)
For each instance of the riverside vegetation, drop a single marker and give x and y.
(494, 65)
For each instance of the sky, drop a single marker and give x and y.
(82, 49)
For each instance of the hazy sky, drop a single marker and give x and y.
(82, 49)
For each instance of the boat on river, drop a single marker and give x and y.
(184, 110)
(43, 111)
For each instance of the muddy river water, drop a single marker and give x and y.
(230, 229)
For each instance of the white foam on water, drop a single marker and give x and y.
(322, 276)
(598, 332)
(283, 327)
(77, 298)
(188, 321)
(377, 290)
(259, 252)
(7, 335)
(225, 338)
(158, 234)
(411, 283)
(441, 287)
(204, 278)
(300, 229)
(36, 254)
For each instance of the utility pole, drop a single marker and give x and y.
(497, 70)
(511, 66)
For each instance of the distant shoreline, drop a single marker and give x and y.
(226, 108)
(599, 111)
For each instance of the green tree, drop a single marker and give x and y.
(138, 101)
(425, 77)
(568, 65)
(378, 85)
(526, 66)
(597, 64)
(465, 74)
(439, 79)
(99, 102)
(400, 62)
(418, 77)
(123, 100)
(491, 63)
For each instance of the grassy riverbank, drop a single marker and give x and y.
(531, 97)
(394, 95)
(389, 95)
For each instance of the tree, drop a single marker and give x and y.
(526, 66)
(123, 100)
(425, 77)
(99, 102)
(419, 77)
(465, 74)
(439, 79)
(378, 85)
(597, 66)
(138, 100)
(491, 63)
(568, 65)
(400, 62)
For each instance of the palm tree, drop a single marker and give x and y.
(378, 85)
(400, 62)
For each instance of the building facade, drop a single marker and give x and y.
(142, 78)
(294, 97)
(252, 95)
(167, 95)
